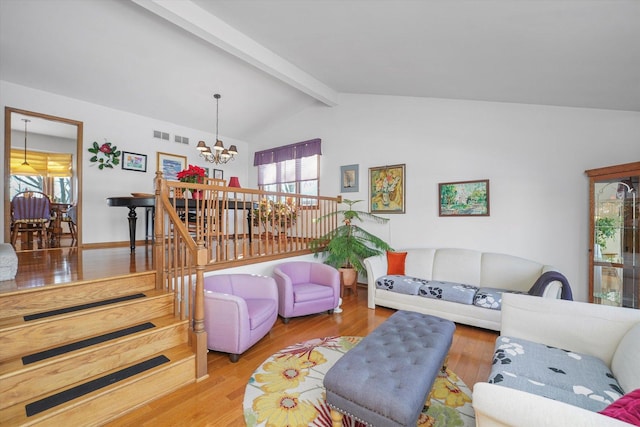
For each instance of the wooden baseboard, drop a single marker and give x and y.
(102, 245)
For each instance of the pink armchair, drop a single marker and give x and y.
(239, 309)
(306, 288)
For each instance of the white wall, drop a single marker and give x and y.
(43, 143)
(129, 132)
(534, 156)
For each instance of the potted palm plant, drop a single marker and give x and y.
(348, 245)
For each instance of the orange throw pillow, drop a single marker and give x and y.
(395, 262)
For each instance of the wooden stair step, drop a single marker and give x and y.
(19, 382)
(67, 348)
(38, 406)
(20, 337)
(51, 297)
(105, 397)
(80, 307)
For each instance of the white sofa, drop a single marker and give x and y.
(610, 333)
(466, 266)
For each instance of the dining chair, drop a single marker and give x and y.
(203, 215)
(69, 217)
(216, 181)
(30, 212)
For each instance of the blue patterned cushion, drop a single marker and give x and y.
(401, 284)
(491, 297)
(577, 379)
(448, 291)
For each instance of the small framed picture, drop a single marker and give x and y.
(218, 174)
(464, 198)
(134, 161)
(171, 164)
(207, 172)
(387, 189)
(349, 179)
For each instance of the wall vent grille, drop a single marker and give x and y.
(181, 139)
(161, 135)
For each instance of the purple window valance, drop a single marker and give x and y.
(288, 152)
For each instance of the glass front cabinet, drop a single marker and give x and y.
(614, 241)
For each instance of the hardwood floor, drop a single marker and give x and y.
(217, 400)
(63, 265)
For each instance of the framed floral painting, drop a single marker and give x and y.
(387, 189)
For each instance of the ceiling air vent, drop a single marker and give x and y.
(182, 139)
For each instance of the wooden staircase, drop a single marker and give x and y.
(85, 353)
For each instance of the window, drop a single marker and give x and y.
(54, 175)
(292, 168)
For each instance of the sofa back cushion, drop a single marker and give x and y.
(457, 265)
(625, 364)
(509, 272)
(419, 263)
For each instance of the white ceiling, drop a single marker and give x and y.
(271, 58)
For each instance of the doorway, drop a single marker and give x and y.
(54, 146)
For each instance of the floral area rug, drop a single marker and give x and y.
(287, 390)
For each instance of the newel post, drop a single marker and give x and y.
(158, 229)
(199, 338)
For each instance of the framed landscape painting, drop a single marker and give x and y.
(171, 164)
(387, 189)
(464, 198)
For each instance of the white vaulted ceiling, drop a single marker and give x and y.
(272, 58)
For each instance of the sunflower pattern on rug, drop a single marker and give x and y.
(287, 390)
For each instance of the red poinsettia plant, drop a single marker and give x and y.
(194, 174)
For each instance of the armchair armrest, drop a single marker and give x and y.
(495, 405)
(226, 319)
(285, 290)
(585, 328)
(376, 267)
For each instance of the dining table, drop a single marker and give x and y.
(133, 202)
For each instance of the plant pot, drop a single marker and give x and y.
(348, 280)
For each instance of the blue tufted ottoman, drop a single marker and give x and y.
(386, 378)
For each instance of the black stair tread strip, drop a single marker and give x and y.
(52, 352)
(82, 307)
(54, 400)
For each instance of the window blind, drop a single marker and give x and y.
(52, 165)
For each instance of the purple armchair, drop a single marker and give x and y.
(306, 288)
(239, 309)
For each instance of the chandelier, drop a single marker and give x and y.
(25, 168)
(219, 155)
